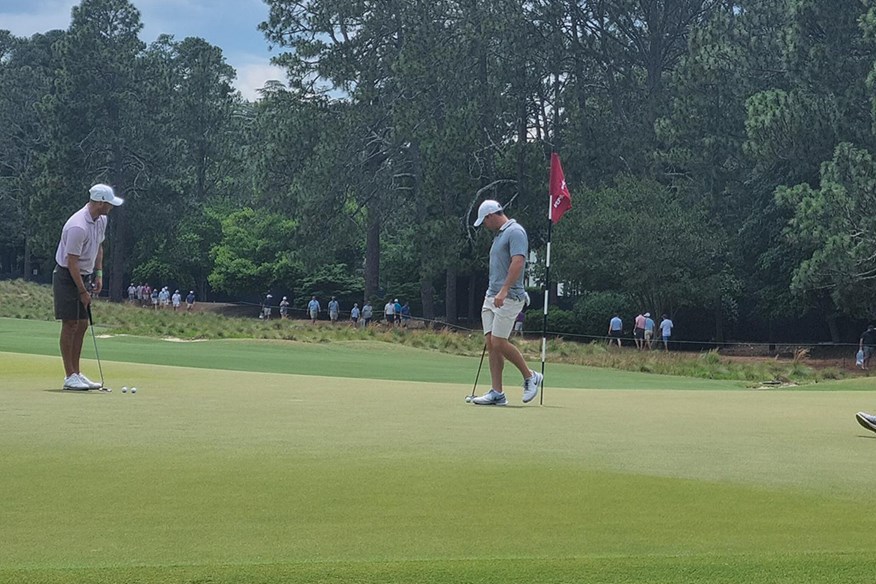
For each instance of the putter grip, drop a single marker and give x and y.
(88, 309)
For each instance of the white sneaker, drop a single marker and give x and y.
(530, 386)
(491, 398)
(91, 384)
(866, 420)
(75, 383)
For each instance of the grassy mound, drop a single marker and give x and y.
(24, 300)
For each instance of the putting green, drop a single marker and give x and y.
(211, 475)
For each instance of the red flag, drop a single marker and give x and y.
(561, 198)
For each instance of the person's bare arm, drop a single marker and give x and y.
(98, 271)
(73, 266)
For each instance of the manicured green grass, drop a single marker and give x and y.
(216, 475)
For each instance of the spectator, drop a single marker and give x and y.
(284, 308)
(334, 309)
(164, 297)
(313, 309)
(867, 344)
(396, 311)
(190, 301)
(639, 331)
(176, 299)
(389, 312)
(649, 330)
(155, 298)
(354, 314)
(406, 314)
(367, 313)
(266, 307)
(615, 330)
(132, 293)
(666, 331)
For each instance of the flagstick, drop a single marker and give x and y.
(547, 291)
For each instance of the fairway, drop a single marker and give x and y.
(224, 475)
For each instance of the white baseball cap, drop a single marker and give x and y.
(105, 194)
(488, 207)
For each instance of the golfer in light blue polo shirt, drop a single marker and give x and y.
(504, 300)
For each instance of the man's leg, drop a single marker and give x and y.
(501, 349)
(512, 353)
(497, 362)
(72, 335)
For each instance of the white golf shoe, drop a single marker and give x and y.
(75, 383)
(531, 385)
(491, 398)
(866, 420)
(91, 384)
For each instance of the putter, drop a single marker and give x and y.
(103, 387)
(474, 387)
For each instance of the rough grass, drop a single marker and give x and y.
(20, 299)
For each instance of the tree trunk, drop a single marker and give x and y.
(719, 324)
(116, 265)
(450, 297)
(372, 250)
(834, 329)
(473, 304)
(27, 260)
(427, 293)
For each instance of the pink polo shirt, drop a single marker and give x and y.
(81, 236)
(640, 322)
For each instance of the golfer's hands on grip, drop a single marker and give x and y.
(85, 298)
(97, 286)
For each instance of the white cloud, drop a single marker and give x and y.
(39, 18)
(229, 24)
(252, 73)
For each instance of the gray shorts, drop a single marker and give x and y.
(68, 305)
(500, 321)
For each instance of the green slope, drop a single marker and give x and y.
(364, 359)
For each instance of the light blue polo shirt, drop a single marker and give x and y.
(511, 240)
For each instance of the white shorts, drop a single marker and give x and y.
(500, 321)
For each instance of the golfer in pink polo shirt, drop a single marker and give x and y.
(78, 275)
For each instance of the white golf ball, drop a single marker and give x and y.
(124, 389)
(468, 399)
(133, 390)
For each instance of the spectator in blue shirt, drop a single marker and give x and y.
(615, 330)
(313, 308)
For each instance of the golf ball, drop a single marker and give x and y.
(124, 389)
(133, 390)
(467, 399)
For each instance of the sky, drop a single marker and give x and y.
(228, 24)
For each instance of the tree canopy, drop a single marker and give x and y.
(719, 152)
